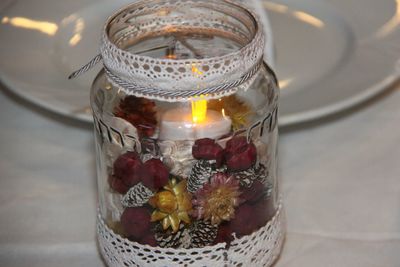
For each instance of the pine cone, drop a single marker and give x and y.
(149, 150)
(268, 190)
(202, 233)
(168, 239)
(140, 112)
(200, 174)
(247, 177)
(137, 196)
(262, 173)
(146, 157)
(197, 235)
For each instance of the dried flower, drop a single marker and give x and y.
(155, 174)
(173, 205)
(127, 171)
(245, 221)
(265, 210)
(224, 234)
(239, 154)
(216, 201)
(206, 148)
(136, 222)
(239, 112)
(149, 240)
(140, 112)
(254, 193)
(118, 185)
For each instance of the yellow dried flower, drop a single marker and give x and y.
(173, 205)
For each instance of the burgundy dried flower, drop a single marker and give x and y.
(245, 221)
(149, 240)
(264, 210)
(155, 174)
(239, 154)
(128, 168)
(253, 193)
(224, 234)
(140, 112)
(206, 148)
(136, 222)
(118, 185)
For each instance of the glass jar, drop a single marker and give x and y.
(185, 114)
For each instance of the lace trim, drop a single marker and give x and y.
(259, 249)
(175, 80)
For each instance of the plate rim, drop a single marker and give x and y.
(367, 94)
(289, 119)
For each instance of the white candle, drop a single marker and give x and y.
(177, 124)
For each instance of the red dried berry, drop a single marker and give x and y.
(128, 168)
(239, 154)
(235, 142)
(205, 141)
(244, 222)
(117, 185)
(206, 148)
(253, 193)
(136, 222)
(264, 210)
(155, 174)
(224, 234)
(140, 112)
(149, 240)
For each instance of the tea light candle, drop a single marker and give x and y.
(179, 124)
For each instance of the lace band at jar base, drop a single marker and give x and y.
(259, 249)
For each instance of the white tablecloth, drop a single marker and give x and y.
(341, 185)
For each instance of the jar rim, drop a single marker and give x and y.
(177, 74)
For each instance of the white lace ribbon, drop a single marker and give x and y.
(259, 249)
(168, 79)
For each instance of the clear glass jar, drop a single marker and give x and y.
(186, 137)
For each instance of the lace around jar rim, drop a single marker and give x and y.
(180, 79)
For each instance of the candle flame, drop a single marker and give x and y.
(199, 110)
(170, 56)
(196, 72)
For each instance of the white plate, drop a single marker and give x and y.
(330, 55)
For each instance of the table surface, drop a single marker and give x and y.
(340, 176)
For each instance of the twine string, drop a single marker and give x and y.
(133, 88)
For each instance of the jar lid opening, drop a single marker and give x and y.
(179, 21)
(183, 46)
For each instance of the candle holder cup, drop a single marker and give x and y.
(185, 113)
